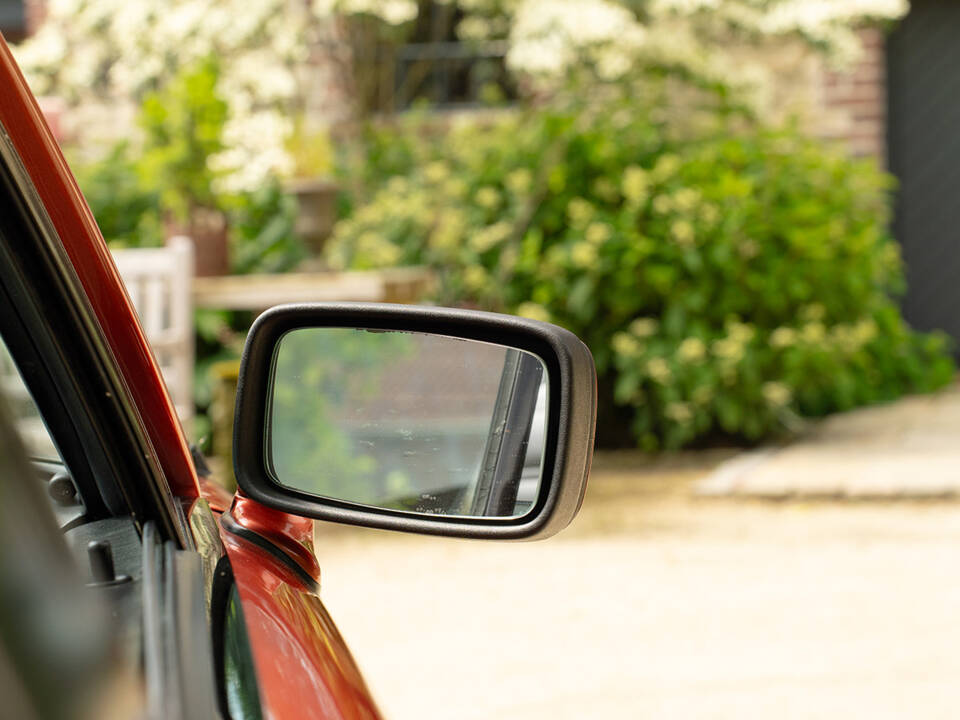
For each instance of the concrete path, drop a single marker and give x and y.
(908, 449)
(660, 604)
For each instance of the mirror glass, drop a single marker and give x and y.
(408, 421)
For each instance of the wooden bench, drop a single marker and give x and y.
(259, 292)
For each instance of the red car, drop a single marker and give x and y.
(132, 586)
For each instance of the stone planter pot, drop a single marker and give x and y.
(316, 210)
(207, 228)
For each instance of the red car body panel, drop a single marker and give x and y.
(309, 672)
(303, 666)
(290, 533)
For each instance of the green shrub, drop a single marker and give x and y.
(127, 208)
(262, 237)
(726, 282)
(183, 124)
(136, 187)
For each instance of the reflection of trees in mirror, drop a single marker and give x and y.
(406, 421)
(427, 424)
(313, 371)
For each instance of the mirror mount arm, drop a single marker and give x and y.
(291, 534)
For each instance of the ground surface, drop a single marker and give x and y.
(660, 604)
(904, 449)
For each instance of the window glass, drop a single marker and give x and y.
(25, 414)
(240, 678)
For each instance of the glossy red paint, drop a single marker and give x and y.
(291, 533)
(304, 667)
(216, 496)
(21, 118)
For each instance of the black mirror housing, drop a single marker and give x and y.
(567, 445)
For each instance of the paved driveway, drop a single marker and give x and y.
(655, 604)
(902, 450)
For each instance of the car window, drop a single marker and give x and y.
(239, 674)
(36, 438)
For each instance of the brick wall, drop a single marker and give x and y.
(851, 106)
(848, 105)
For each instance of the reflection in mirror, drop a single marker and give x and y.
(408, 421)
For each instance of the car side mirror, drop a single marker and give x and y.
(430, 420)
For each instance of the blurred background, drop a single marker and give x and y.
(746, 208)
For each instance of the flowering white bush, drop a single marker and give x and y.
(827, 23)
(110, 52)
(549, 35)
(394, 12)
(703, 37)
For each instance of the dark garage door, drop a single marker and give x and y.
(924, 144)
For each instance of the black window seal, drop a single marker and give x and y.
(225, 585)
